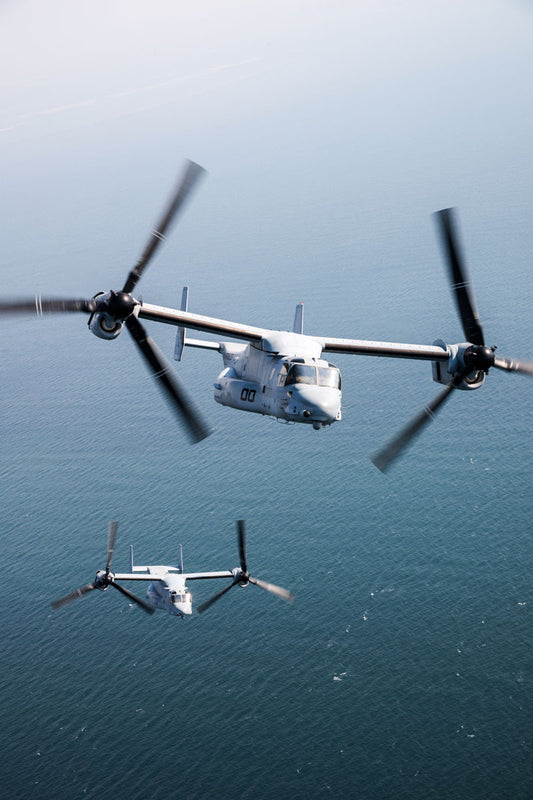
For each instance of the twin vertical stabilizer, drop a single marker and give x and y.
(180, 335)
(181, 341)
(298, 326)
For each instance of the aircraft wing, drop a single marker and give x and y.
(249, 333)
(163, 573)
(363, 347)
(200, 576)
(198, 322)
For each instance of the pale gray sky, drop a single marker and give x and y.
(66, 62)
(398, 107)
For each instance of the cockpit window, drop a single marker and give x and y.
(301, 373)
(329, 376)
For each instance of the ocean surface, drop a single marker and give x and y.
(404, 667)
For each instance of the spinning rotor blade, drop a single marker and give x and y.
(384, 458)
(243, 577)
(68, 598)
(514, 365)
(242, 545)
(204, 606)
(51, 305)
(112, 532)
(140, 602)
(167, 380)
(284, 594)
(192, 173)
(462, 291)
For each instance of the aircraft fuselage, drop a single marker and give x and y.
(281, 376)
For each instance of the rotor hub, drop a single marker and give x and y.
(120, 305)
(240, 576)
(479, 358)
(103, 579)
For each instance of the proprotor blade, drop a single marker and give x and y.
(462, 291)
(112, 532)
(384, 458)
(47, 305)
(514, 365)
(279, 591)
(140, 602)
(204, 606)
(68, 598)
(242, 545)
(167, 380)
(192, 173)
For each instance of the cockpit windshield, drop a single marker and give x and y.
(301, 373)
(329, 376)
(307, 373)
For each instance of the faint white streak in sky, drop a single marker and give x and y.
(23, 118)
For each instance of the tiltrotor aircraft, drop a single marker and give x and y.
(280, 373)
(166, 584)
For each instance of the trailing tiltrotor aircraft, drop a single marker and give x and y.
(280, 373)
(167, 588)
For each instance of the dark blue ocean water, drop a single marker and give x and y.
(403, 669)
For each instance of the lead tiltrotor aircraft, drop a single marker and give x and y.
(166, 584)
(280, 373)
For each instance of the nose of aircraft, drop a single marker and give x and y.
(184, 607)
(315, 403)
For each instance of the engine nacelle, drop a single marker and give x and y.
(445, 372)
(104, 326)
(112, 309)
(238, 573)
(100, 580)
